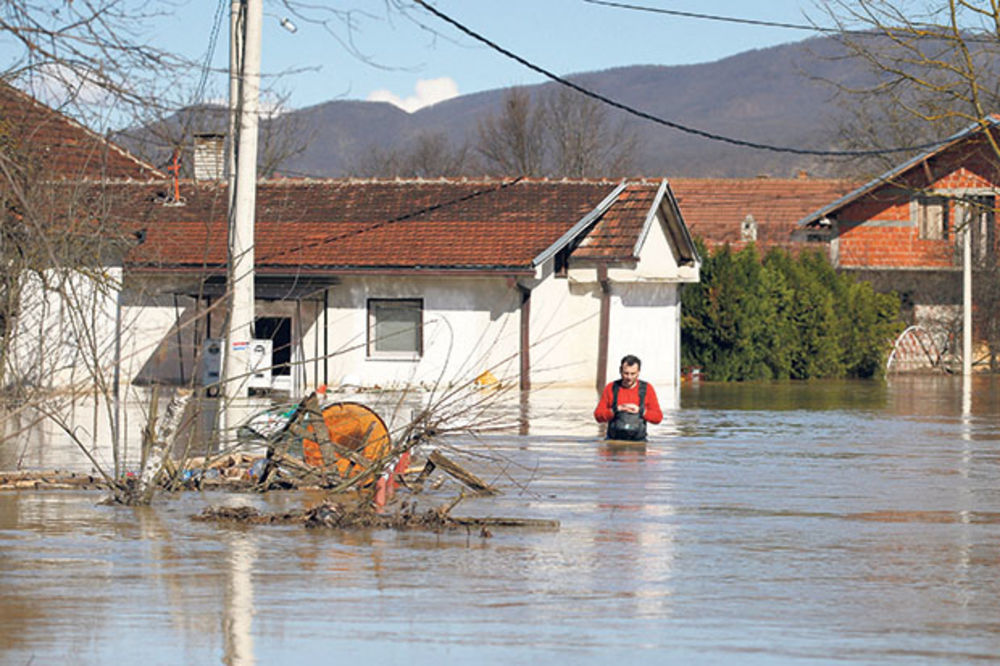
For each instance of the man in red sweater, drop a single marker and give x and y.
(628, 403)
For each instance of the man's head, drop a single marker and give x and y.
(630, 370)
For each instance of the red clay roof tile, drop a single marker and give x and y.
(59, 147)
(714, 209)
(615, 235)
(349, 224)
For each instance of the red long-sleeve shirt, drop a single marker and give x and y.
(651, 411)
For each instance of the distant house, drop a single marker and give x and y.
(902, 230)
(763, 211)
(413, 283)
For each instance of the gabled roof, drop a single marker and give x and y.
(61, 147)
(715, 208)
(894, 174)
(342, 226)
(619, 227)
(622, 226)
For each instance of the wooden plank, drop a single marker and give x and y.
(460, 473)
(532, 523)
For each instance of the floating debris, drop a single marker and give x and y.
(361, 515)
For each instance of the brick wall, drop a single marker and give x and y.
(880, 229)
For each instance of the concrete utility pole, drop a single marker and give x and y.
(245, 21)
(967, 291)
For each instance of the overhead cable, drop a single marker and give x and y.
(916, 31)
(713, 17)
(663, 121)
(210, 52)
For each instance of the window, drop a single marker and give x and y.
(932, 217)
(395, 327)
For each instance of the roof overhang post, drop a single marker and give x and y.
(525, 348)
(605, 326)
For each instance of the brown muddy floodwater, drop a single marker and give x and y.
(851, 523)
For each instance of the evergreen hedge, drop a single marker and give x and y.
(783, 317)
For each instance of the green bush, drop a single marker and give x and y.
(783, 317)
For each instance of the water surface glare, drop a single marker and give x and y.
(856, 523)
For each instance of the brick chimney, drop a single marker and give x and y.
(209, 156)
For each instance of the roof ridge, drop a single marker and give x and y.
(492, 180)
(769, 179)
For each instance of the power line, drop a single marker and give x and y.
(663, 121)
(210, 53)
(923, 31)
(714, 17)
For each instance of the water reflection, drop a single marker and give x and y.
(237, 620)
(859, 524)
(31, 440)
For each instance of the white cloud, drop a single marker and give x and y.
(57, 85)
(427, 92)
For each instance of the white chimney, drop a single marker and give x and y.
(209, 156)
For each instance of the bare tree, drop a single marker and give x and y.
(62, 243)
(433, 156)
(561, 133)
(513, 141)
(429, 155)
(935, 70)
(935, 67)
(585, 142)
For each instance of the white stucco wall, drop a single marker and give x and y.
(471, 325)
(645, 310)
(565, 325)
(153, 346)
(63, 332)
(645, 321)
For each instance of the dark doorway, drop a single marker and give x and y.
(279, 331)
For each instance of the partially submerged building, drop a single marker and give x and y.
(903, 230)
(416, 282)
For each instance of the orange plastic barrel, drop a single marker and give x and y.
(354, 427)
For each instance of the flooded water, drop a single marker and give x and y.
(856, 523)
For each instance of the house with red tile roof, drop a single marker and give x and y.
(380, 283)
(903, 230)
(764, 211)
(397, 283)
(56, 147)
(55, 171)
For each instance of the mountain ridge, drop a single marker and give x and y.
(780, 96)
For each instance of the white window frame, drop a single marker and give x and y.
(372, 343)
(933, 216)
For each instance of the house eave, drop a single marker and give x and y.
(680, 233)
(887, 177)
(472, 271)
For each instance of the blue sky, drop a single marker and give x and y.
(394, 58)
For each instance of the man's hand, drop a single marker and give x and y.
(629, 407)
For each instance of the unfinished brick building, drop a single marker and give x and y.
(904, 230)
